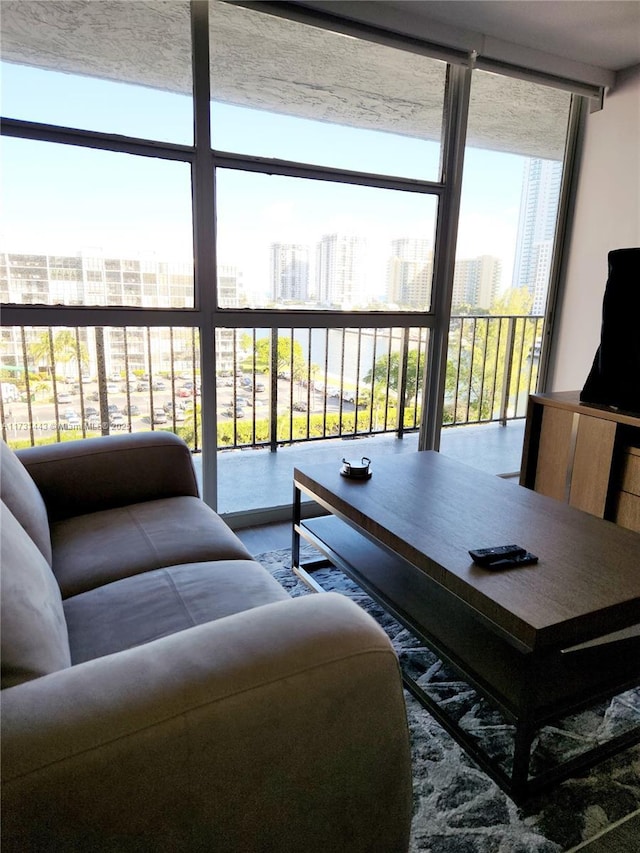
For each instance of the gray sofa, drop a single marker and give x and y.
(160, 690)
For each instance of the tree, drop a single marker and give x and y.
(480, 350)
(59, 348)
(386, 373)
(290, 357)
(515, 302)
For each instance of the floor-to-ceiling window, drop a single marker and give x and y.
(284, 273)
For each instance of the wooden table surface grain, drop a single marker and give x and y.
(431, 510)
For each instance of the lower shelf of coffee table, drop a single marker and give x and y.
(531, 690)
(561, 682)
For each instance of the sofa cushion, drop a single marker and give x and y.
(136, 610)
(33, 629)
(101, 547)
(21, 495)
(93, 474)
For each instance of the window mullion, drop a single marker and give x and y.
(456, 116)
(204, 244)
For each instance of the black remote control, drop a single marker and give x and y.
(525, 559)
(489, 556)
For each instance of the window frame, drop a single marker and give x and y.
(206, 316)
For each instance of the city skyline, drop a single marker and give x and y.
(87, 278)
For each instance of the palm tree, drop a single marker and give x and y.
(61, 347)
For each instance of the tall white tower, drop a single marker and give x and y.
(340, 270)
(289, 264)
(536, 228)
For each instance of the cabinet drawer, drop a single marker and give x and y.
(628, 511)
(631, 471)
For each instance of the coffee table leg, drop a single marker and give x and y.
(524, 735)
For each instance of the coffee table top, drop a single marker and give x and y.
(431, 510)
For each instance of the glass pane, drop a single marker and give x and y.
(65, 383)
(512, 173)
(289, 242)
(87, 227)
(113, 67)
(510, 192)
(296, 92)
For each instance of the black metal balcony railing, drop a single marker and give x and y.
(273, 386)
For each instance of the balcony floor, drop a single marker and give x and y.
(252, 480)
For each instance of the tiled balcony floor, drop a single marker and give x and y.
(250, 480)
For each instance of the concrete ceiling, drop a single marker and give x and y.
(269, 63)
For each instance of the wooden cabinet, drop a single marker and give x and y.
(585, 455)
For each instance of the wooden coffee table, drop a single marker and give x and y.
(538, 642)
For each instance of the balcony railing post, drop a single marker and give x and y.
(2, 416)
(402, 380)
(508, 366)
(273, 372)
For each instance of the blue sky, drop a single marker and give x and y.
(62, 199)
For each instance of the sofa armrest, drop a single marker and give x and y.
(87, 475)
(280, 728)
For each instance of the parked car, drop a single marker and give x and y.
(113, 409)
(63, 397)
(159, 416)
(299, 406)
(158, 385)
(72, 418)
(91, 411)
(238, 412)
(117, 420)
(131, 410)
(112, 388)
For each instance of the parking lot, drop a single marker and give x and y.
(142, 405)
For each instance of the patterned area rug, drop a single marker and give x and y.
(457, 808)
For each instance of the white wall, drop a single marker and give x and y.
(607, 216)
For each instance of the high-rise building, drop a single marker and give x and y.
(410, 273)
(91, 278)
(476, 281)
(340, 270)
(536, 228)
(289, 272)
(229, 285)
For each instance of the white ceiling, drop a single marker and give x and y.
(605, 33)
(579, 40)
